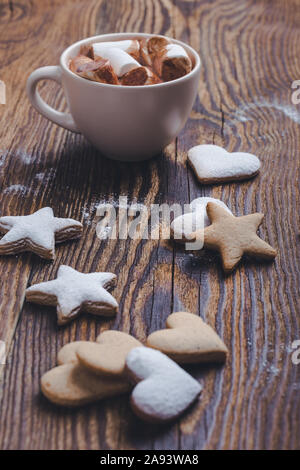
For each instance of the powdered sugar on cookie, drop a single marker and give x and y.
(213, 164)
(73, 292)
(37, 232)
(164, 390)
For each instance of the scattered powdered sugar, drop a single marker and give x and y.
(3, 155)
(88, 213)
(40, 176)
(16, 188)
(45, 176)
(164, 390)
(24, 156)
(22, 190)
(85, 214)
(274, 370)
(288, 110)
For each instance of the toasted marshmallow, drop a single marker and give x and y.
(151, 46)
(120, 61)
(156, 44)
(152, 78)
(131, 46)
(96, 70)
(78, 62)
(144, 53)
(140, 76)
(86, 50)
(175, 51)
(172, 62)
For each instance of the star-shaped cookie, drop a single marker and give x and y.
(234, 236)
(37, 232)
(73, 292)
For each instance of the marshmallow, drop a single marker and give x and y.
(140, 76)
(156, 44)
(86, 50)
(150, 47)
(131, 46)
(77, 63)
(144, 53)
(174, 50)
(98, 70)
(172, 62)
(135, 61)
(120, 61)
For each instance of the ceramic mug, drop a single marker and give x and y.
(127, 123)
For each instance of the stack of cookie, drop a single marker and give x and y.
(117, 363)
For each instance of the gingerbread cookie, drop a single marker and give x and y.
(163, 389)
(108, 355)
(184, 225)
(234, 236)
(37, 232)
(213, 164)
(73, 385)
(67, 354)
(188, 339)
(73, 292)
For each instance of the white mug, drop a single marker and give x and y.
(127, 123)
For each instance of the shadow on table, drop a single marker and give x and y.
(117, 424)
(80, 169)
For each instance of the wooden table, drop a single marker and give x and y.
(250, 53)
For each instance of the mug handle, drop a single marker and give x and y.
(52, 72)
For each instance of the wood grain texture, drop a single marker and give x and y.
(250, 57)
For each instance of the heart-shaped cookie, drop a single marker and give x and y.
(197, 219)
(107, 356)
(188, 339)
(73, 385)
(164, 390)
(213, 164)
(67, 354)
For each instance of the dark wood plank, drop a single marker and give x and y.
(249, 53)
